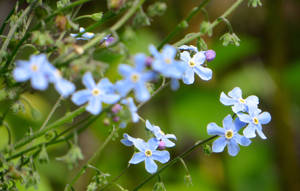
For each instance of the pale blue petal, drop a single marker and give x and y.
(188, 76)
(228, 123)
(149, 126)
(134, 117)
(238, 124)
(94, 106)
(233, 148)
(123, 87)
(244, 117)
(199, 58)
(137, 158)
(168, 143)
(249, 131)
(171, 136)
(39, 81)
(148, 76)
(219, 145)
(140, 62)
(242, 140)
(203, 73)
(252, 99)
(140, 144)
(64, 87)
(238, 107)
(169, 51)
(106, 85)
(153, 144)
(161, 156)
(125, 70)
(21, 74)
(110, 98)
(260, 133)
(88, 81)
(174, 84)
(214, 129)
(81, 97)
(150, 165)
(141, 92)
(264, 118)
(225, 100)
(185, 56)
(154, 51)
(236, 93)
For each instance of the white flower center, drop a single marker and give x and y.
(95, 91)
(229, 134)
(148, 153)
(255, 120)
(135, 78)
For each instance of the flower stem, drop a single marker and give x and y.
(178, 158)
(51, 112)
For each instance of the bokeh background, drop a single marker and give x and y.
(266, 64)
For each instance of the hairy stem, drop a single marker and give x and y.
(51, 112)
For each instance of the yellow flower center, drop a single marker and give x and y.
(34, 67)
(57, 73)
(242, 100)
(255, 120)
(135, 77)
(192, 63)
(168, 60)
(161, 132)
(89, 33)
(229, 134)
(148, 153)
(95, 91)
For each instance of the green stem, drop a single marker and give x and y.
(182, 155)
(51, 112)
(181, 25)
(7, 18)
(215, 23)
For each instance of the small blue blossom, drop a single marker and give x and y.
(128, 140)
(135, 78)
(229, 136)
(194, 65)
(235, 99)
(132, 108)
(165, 62)
(188, 48)
(255, 120)
(149, 154)
(95, 94)
(37, 69)
(84, 36)
(161, 136)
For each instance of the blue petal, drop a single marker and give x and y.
(39, 81)
(203, 73)
(123, 87)
(264, 118)
(244, 117)
(185, 56)
(110, 98)
(94, 106)
(81, 97)
(214, 129)
(199, 58)
(140, 144)
(238, 124)
(233, 148)
(141, 92)
(260, 133)
(168, 143)
(174, 84)
(64, 87)
(140, 62)
(219, 145)
(225, 100)
(148, 76)
(153, 144)
(106, 85)
(188, 76)
(191, 47)
(150, 165)
(21, 74)
(171, 136)
(134, 117)
(228, 123)
(169, 51)
(242, 140)
(237, 107)
(236, 93)
(149, 126)
(137, 158)
(249, 131)
(88, 81)
(125, 70)
(161, 156)
(252, 99)
(154, 51)
(127, 140)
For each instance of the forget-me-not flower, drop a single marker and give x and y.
(135, 78)
(128, 140)
(229, 136)
(161, 136)
(194, 65)
(255, 120)
(235, 99)
(37, 69)
(148, 153)
(84, 36)
(95, 94)
(132, 108)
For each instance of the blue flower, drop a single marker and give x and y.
(84, 36)
(188, 48)
(135, 78)
(235, 99)
(132, 108)
(254, 119)
(194, 65)
(149, 154)
(37, 69)
(128, 140)
(165, 62)
(161, 136)
(229, 136)
(95, 94)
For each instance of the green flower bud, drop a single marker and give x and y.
(157, 9)
(159, 186)
(97, 16)
(43, 155)
(254, 3)
(230, 38)
(207, 149)
(205, 27)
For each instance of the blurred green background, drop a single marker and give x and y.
(266, 64)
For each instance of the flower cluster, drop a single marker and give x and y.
(147, 151)
(249, 117)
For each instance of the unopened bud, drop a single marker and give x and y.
(61, 22)
(116, 108)
(162, 145)
(210, 55)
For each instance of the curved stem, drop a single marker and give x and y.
(182, 155)
(51, 112)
